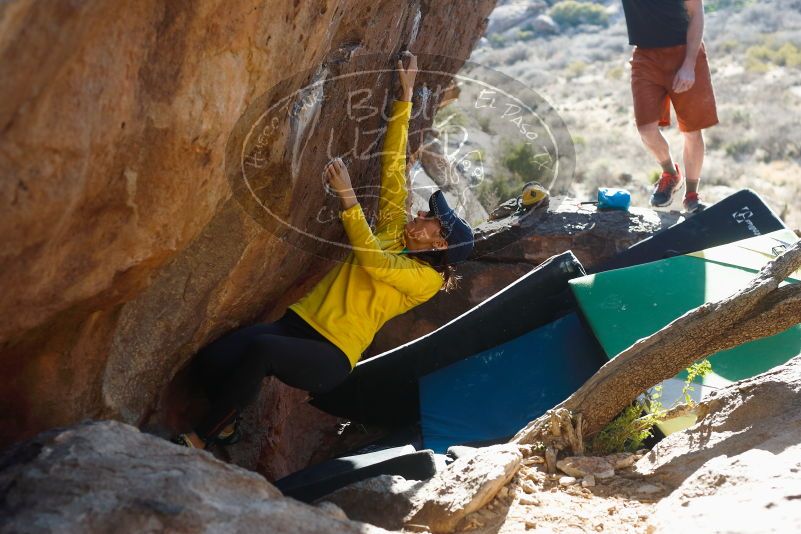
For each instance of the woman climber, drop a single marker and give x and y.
(319, 339)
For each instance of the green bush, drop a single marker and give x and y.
(789, 55)
(485, 123)
(455, 118)
(710, 6)
(759, 58)
(571, 13)
(525, 35)
(497, 40)
(728, 46)
(696, 370)
(741, 117)
(522, 160)
(739, 149)
(519, 163)
(632, 427)
(615, 73)
(476, 155)
(635, 424)
(576, 69)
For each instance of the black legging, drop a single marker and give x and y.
(232, 368)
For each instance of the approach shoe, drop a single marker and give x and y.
(692, 204)
(666, 188)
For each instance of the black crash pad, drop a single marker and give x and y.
(739, 216)
(384, 389)
(317, 481)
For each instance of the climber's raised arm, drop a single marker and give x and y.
(410, 278)
(392, 200)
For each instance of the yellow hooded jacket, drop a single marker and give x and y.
(375, 282)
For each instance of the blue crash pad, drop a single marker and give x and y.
(495, 393)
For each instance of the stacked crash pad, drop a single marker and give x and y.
(494, 393)
(624, 305)
(384, 389)
(484, 375)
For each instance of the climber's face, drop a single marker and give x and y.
(424, 232)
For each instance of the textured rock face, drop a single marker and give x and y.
(383, 500)
(511, 14)
(467, 485)
(109, 477)
(763, 412)
(755, 491)
(739, 468)
(582, 466)
(510, 246)
(438, 504)
(124, 250)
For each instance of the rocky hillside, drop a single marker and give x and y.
(125, 245)
(577, 59)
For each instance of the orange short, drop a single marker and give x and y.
(652, 73)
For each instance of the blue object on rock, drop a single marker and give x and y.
(613, 198)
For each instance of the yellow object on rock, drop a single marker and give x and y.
(533, 195)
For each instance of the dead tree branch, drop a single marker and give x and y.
(761, 309)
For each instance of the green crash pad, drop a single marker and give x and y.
(624, 305)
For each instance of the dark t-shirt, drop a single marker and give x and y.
(656, 23)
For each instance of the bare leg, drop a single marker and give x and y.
(693, 158)
(655, 142)
(670, 182)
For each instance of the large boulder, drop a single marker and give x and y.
(755, 491)
(124, 248)
(512, 14)
(763, 413)
(109, 477)
(544, 25)
(438, 504)
(509, 246)
(739, 468)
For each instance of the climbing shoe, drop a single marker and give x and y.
(692, 204)
(230, 434)
(184, 441)
(666, 188)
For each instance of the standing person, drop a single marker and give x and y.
(669, 64)
(319, 339)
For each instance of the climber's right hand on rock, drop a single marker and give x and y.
(337, 176)
(338, 180)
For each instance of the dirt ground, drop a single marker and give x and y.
(535, 502)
